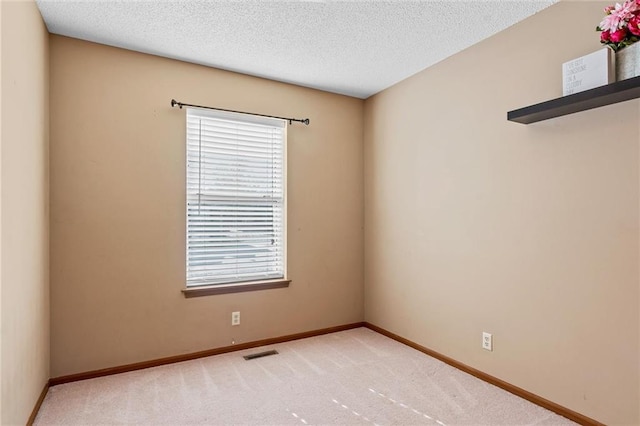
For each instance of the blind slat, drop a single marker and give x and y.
(235, 197)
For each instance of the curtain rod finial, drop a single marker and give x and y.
(306, 121)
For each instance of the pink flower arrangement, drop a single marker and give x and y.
(621, 25)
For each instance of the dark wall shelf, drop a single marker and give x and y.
(619, 91)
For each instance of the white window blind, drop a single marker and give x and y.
(235, 198)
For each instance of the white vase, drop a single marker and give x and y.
(628, 62)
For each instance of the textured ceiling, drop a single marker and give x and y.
(356, 48)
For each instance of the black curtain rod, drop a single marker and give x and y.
(290, 120)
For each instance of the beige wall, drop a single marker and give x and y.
(25, 214)
(474, 223)
(1, 212)
(118, 214)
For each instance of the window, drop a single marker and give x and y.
(235, 198)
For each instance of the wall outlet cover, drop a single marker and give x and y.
(487, 341)
(235, 318)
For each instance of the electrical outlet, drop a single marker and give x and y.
(487, 341)
(235, 318)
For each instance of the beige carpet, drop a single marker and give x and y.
(352, 377)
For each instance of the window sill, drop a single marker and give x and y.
(210, 290)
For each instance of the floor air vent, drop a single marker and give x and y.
(260, 355)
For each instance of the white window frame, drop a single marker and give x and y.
(194, 274)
